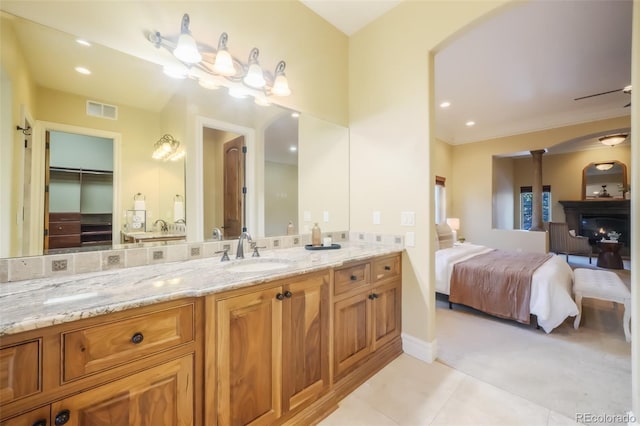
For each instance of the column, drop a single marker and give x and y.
(536, 211)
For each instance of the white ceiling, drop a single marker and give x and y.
(520, 70)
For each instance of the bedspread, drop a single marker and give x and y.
(497, 282)
(551, 286)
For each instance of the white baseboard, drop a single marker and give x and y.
(424, 351)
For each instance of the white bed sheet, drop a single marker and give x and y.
(551, 284)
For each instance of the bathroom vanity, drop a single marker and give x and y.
(274, 340)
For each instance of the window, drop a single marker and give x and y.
(441, 200)
(526, 205)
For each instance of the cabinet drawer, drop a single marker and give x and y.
(64, 217)
(386, 267)
(64, 228)
(351, 277)
(64, 241)
(97, 348)
(19, 371)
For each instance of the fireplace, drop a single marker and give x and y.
(596, 218)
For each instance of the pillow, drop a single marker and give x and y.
(572, 232)
(436, 237)
(445, 235)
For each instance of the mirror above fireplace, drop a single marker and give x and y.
(604, 180)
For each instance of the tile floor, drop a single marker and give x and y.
(411, 392)
(590, 368)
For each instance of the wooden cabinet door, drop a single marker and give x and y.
(159, 396)
(305, 340)
(352, 331)
(386, 313)
(39, 417)
(249, 351)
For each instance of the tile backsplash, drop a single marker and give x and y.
(25, 268)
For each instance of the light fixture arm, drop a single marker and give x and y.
(184, 26)
(222, 41)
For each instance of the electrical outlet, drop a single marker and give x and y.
(410, 239)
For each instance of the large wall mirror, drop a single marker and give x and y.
(604, 180)
(42, 91)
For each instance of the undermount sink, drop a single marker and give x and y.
(257, 265)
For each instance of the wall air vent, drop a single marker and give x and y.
(98, 109)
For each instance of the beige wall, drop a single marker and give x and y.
(392, 141)
(23, 91)
(564, 173)
(473, 170)
(443, 167)
(280, 197)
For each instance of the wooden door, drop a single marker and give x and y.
(352, 331)
(305, 339)
(39, 417)
(159, 396)
(47, 179)
(248, 365)
(233, 187)
(386, 313)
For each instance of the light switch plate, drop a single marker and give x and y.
(408, 219)
(376, 218)
(325, 216)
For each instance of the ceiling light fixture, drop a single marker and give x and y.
(83, 70)
(470, 123)
(167, 148)
(612, 140)
(83, 42)
(445, 104)
(604, 166)
(230, 71)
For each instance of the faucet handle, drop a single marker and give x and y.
(256, 253)
(225, 254)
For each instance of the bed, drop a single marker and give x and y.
(549, 295)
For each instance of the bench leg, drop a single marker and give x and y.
(626, 320)
(576, 322)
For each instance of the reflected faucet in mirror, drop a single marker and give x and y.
(217, 234)
(163, 225)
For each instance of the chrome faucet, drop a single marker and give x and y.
(163, 225)
(240, 251)
(217, 234)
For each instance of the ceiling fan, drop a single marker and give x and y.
(625, 89)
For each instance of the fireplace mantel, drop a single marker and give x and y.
(574, 212)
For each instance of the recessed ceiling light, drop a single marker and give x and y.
(470, 123)
(83, 42)
(445, 104)
(295, 114)
(83, 70)
(293, 148)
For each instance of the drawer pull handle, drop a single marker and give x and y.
(373, 296)
(353, 278)
(387, 268)
(137, 338)
(288, 294)
(41, 422)
(280, 296)
(62, 417)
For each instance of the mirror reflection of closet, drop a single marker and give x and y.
(604, 180)
(79, 201)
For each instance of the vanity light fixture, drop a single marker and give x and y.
(604, 166)
(219, 63)
(167, 148)
(295, 114)
(612, 140)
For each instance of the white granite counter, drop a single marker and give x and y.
(32, 304)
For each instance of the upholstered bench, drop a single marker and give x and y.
(603, 285)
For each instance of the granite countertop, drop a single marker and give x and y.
(31, 304)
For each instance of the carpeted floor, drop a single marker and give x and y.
(568, 371)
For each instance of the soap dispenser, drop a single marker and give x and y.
(316, 237)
